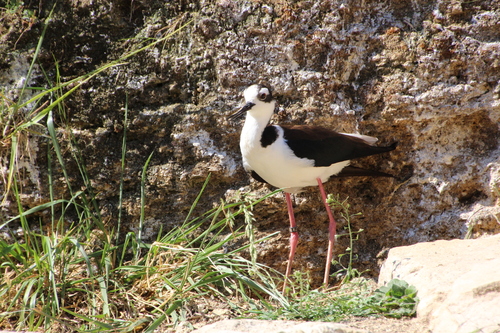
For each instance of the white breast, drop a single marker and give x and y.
(277, 164)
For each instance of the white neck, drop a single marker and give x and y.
(252, 131)
(255, 122)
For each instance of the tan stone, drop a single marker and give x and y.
(458, 282)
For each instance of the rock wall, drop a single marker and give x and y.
(423, 73)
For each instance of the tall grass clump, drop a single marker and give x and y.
(77, 278)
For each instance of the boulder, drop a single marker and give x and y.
(458, 282)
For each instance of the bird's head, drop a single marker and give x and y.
(259, 103)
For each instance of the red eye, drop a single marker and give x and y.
(262, 96)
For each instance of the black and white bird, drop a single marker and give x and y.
(295, 156)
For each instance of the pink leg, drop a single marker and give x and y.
(332, 229)
(294, 238)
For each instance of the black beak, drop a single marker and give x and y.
(241, 112)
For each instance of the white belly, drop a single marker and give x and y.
(277, 165)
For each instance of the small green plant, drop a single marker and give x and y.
(355, 298)
(347, 272)
(396, 299)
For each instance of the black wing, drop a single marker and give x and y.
(327, 147)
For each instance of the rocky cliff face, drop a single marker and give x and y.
(423, 73)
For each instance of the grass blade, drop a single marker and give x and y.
(122, 171)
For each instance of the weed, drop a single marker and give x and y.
(74, 275)
(347, 272)
(355, 298)
(397, 299)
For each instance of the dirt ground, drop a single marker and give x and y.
(372, 325)
(388, 325)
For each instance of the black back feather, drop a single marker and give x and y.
(327, 147)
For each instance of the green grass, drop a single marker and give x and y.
(356, 298)
(70, 271)
(78, 274)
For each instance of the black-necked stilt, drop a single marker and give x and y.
(293, 157)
